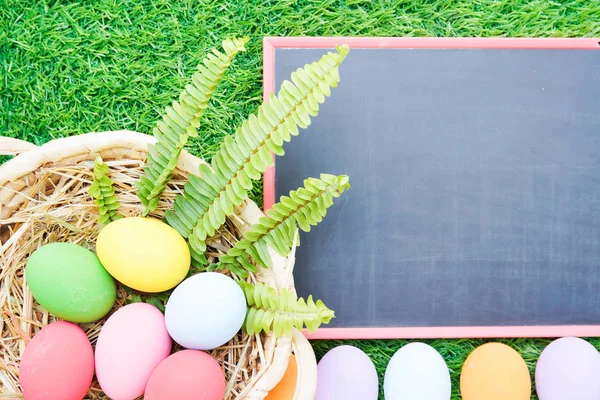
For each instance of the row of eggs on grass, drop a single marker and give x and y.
(567, 369)
(203, 312)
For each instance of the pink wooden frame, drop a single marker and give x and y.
(272, 43)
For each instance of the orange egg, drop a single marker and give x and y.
(495, 371)
(287, 386)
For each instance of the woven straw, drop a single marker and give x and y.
(43, 198)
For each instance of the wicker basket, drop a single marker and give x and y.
(43, 198)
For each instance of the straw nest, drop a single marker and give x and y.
(45, 199)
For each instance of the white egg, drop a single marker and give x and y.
(205, 311)
(417, 372)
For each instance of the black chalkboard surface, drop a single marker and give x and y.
(475, 198)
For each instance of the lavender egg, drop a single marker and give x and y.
(568, 368)
(346, 373)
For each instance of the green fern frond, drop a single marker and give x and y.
(269, 311)
(303, 208)
(181, 121)
(103, 192)
(235, 267)
(208, 199)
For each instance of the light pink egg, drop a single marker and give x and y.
(132, 342)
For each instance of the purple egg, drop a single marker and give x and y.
(346, 373)
(569, 368)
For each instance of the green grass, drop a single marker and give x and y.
(70, 67)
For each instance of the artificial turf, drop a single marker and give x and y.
(70, 67)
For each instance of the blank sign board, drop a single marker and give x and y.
(475, 202)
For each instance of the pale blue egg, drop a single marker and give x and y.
(205, 311)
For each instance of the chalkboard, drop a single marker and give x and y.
(475, 198)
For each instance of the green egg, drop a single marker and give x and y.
(70, 282)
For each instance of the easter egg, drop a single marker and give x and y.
(286, 387)
(568, 368)
(144, 254)
(346, 373)
(70, 282)
(58, 364)
(132, 342)
(187, 375)
(495, 371)
(417, 371)
(205, 311)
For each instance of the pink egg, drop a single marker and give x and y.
(568, 368)
(187, 375)
(132, 342)
(346, 373)
(58, 364)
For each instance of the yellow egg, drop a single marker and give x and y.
(144, 254)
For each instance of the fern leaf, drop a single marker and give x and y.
(103, 192)
(303, 208)
(269, 311)
(208, 199)
(236, 268)
(181, 121)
